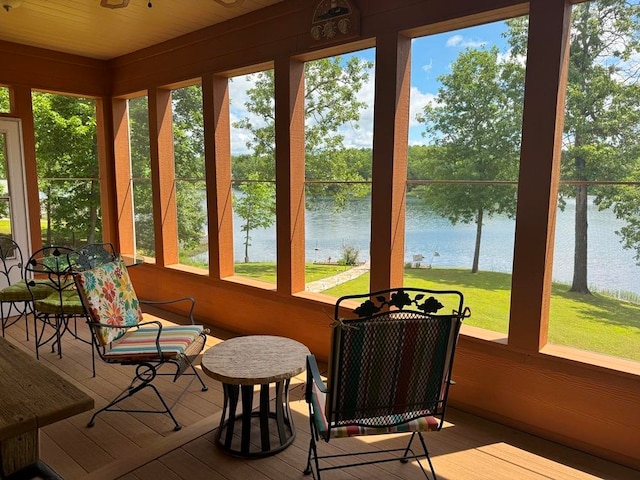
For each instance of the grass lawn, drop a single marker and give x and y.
(595, 323)
(267, 271)
(5, 226)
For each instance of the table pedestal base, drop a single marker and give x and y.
(274, 426)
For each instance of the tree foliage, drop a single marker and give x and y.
(4, 99)
(188, 141)
(474, 124)
(331, 102)
(256, 205)
(141, 175)
(188, 136)
(67, 162)
(601, 117)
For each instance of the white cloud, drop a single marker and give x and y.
(363, 136)
(418, 101)
(454, 41)
(238, 98)
(462, 42)
(427, 66)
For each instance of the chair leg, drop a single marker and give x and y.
(313, 449)
(195, 372)
(408, 453)
(4, 322)
(426, 453)
(19, 313)
(145, 374)
(93, 356)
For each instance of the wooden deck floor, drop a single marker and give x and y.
(145, 447)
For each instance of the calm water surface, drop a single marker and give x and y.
(610, 267)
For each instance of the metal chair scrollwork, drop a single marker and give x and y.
(15, 298)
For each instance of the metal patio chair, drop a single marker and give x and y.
(15, 297)
(56, 304)
(389, 372)
(121, 336)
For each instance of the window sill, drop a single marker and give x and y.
(593, 359)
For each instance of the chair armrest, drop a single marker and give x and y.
(159, 325)
(129, 327)
(191, 300)
(313, 376)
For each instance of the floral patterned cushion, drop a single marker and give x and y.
(108, 296)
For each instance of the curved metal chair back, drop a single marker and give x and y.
(91, 256)
(11, 261)
(55, 300)
(13, 289)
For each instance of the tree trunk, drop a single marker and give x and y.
(476, 251)
(246, 244)
(579, 284)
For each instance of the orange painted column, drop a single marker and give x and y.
(217, 148)
(542, 124)
(106, 170)
(389, 172)
(122, 177)
(165, 213)
(21, 105)
(290, 199)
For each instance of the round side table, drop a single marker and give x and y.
(241, 363)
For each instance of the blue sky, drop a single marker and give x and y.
(431, 56)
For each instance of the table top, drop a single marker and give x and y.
(31, 395)
(255, 360)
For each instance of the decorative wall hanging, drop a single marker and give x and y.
(333, 21)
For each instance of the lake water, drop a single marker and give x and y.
(610, 267)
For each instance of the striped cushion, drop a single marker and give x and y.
(140, 344)
(110, 299)
(318, 399)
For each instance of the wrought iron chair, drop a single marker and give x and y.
(56, 304)
(84, 258)
(389, 372)
(121, 336)
(15, 295)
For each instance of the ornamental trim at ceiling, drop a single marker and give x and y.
(334, 20)
(124, 3)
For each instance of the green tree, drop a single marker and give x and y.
(141, 174)
(256, 205)
(331, 101)
(67, 162)
(188, 136)
(4, 99)
(474, 124)
(602, 116)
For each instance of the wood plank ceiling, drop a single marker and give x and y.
(85, 28)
